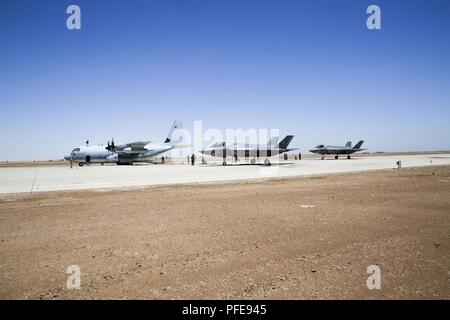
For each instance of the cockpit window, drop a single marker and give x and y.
(217, 145)
(76, 150)
(320, 146)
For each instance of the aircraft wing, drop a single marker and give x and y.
(138, 144)
(133, 148)
(131, 151)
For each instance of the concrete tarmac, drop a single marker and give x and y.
(38, 179)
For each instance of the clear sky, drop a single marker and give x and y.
(309, 68)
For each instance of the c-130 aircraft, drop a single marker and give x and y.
(127, 153)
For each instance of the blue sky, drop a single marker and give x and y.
(309, 68)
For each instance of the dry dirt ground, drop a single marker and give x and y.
(297, 238)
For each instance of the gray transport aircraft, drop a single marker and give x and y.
(254, 151)
(127, 153)
(337, 150)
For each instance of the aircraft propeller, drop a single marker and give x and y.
(111, 145)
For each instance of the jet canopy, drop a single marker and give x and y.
(217, 144)
(320, 146)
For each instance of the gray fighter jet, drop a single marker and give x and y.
(337, 150)
(254, 151)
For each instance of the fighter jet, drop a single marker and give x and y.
(222, 149)
(124, 154)
(337, 150)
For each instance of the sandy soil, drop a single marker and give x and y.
(297, 238)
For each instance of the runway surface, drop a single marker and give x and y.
(38, 179)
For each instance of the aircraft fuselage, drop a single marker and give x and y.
(99, 154)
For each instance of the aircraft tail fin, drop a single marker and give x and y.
(285, 142)
(272, 142)
(348, 144)
(177, 124)
(358, 145)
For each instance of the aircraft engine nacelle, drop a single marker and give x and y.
(112, 158)
(121, 147)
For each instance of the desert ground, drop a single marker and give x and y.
(289, 238)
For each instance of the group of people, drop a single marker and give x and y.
(295, 157)
(191, 159)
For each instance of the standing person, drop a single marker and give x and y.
(188, 159)
(193, 159)
(299, 156)
(162, 159)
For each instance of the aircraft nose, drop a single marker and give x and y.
(67, 156)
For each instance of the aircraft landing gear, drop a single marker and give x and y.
(124, 163)
(336, 157)
(80, 164)
(323, 157)
(253, 161)
(267, 162)
(348, 157)
(224, 163)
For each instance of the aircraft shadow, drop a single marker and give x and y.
(247, 164)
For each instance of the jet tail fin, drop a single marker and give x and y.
(358, 145)
(348, 144)
(285, 142)
(177, 124)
